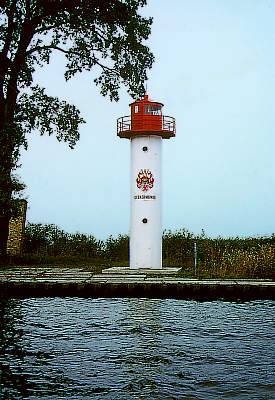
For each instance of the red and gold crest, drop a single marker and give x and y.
(145, 180)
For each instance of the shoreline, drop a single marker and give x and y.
(78, 282)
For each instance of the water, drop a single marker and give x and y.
(127, 349)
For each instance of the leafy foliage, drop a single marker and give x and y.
(48, 114)
(117, 249)
(105, 35)
(49, 240)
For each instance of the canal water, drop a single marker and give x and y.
(127, 349)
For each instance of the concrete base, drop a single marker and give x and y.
(144, 271)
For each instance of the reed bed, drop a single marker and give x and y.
(224, 258)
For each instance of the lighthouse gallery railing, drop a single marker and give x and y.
(124, 124)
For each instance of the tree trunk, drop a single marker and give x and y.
(4, 233)
(6, 164)
(9, 140)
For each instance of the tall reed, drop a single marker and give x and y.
(252, 257)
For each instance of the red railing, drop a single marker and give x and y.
(124, 124)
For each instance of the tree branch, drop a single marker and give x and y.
(48, 28)
(100, 34)
(39, 48)
(25, 39)
(10, 15)
(104, 67)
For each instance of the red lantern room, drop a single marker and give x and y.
(146, 119)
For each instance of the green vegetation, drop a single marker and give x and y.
(252, 257)
(216, 258)
(48, 245)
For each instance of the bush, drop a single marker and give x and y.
(49, 240)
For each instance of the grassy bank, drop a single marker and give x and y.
(252, 257)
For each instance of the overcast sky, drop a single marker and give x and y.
(215, 73)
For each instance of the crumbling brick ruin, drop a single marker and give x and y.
(16, 230)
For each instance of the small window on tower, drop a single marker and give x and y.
(136, 109)
(152, 109)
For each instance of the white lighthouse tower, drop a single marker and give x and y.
(146, 127)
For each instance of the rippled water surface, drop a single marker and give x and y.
(73, 348)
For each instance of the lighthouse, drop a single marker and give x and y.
(146, 127)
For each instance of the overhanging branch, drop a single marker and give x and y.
(41, 48)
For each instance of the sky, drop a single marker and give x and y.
(214, 72)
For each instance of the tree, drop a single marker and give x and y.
(105, 35)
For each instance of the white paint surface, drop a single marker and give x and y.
(146, 238)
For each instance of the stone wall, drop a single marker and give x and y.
(16, 230)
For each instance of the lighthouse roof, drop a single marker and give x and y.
(146, 119)
(146, 100)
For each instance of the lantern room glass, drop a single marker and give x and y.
(152, 109)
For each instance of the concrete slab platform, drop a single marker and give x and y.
(142, 271)
(49, 282)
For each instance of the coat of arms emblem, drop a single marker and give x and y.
(145, 180)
